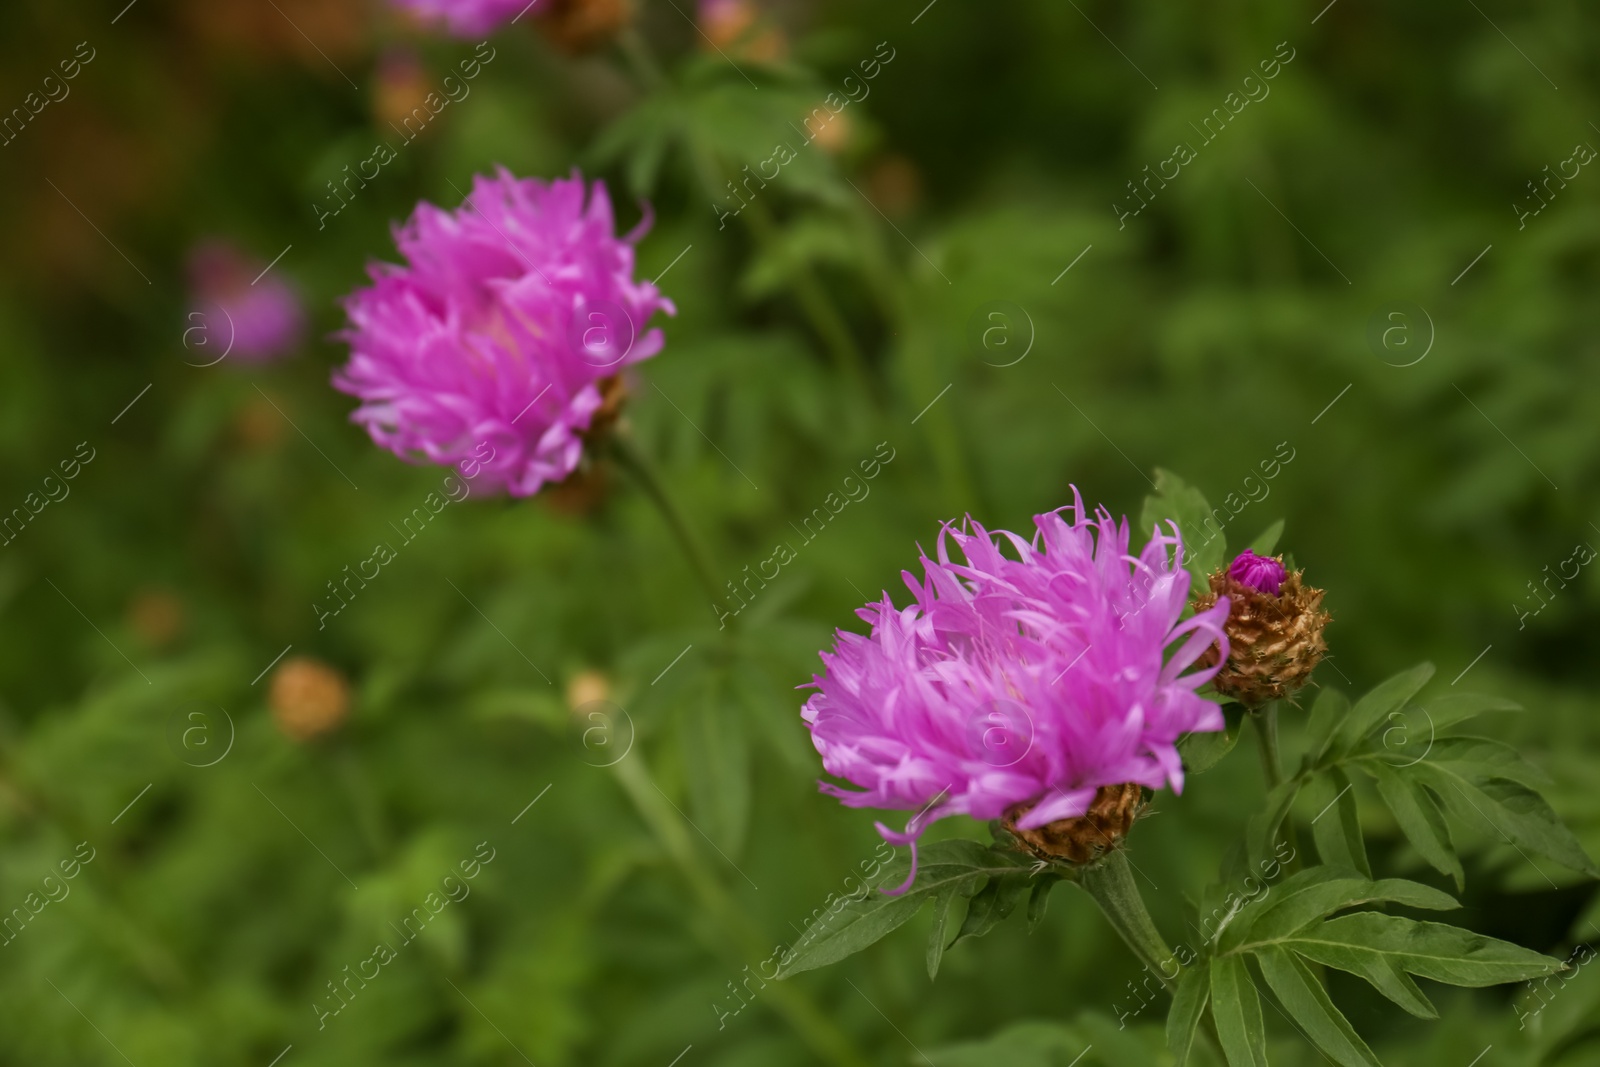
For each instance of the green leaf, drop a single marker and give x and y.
(716, 761)
(1188, 1007)
(995, 902)
(1420, 819)
(1360, 942)
(1261, 829)
(1176, 501)
(1268, 539)
(1236, 1007)
(1336, 827)
(1312, 894)
(942, 902)
(1202, 751)
(857, 922)
(1307, 1003)
(1381, 970)
(1327, 715)
(1385, 698)
(1478, 759)
(1031, 1044)
(1039, 899)
(1515, 813)
(1450, 708)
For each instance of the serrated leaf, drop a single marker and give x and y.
(1202, 751)
(1038, 900)
(857, 922)
(1176, 501)
(1188, 1008)
(1420, 819)
(1386, 697)
(1236, 1007)
(1515, 813)
(1268, 539)
(1307, 1003)
(1312, 894)
(1448, 954)
(1336, 827)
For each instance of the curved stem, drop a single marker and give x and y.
(1111, 884)
(634, 461)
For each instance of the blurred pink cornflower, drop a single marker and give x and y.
(1035, 680)
(466, 18)
(491, 344)
(236, 310)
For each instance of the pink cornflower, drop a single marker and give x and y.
(1034, 680)
(490, 345)
(237, 310)
(466, 18)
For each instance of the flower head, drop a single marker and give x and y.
(238, 309)
(466, 18)
(1275, 624)
(1264, 574)
(493, 344)
(1030, 681)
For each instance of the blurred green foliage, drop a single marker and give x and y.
(845, 307)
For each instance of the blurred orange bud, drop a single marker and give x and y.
(587, 686)
(735, 26)
(895, 185)
(833, 136)
(577, 26)
(399, 86)
(308, 698)
(157, 616)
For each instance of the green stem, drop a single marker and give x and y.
(745, 940)
(1266, 719)
(1111, 884)
(634, 461)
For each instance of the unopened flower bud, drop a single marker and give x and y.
(586, 687)
(1274, 629)
(1264, 574)
(308, 698)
